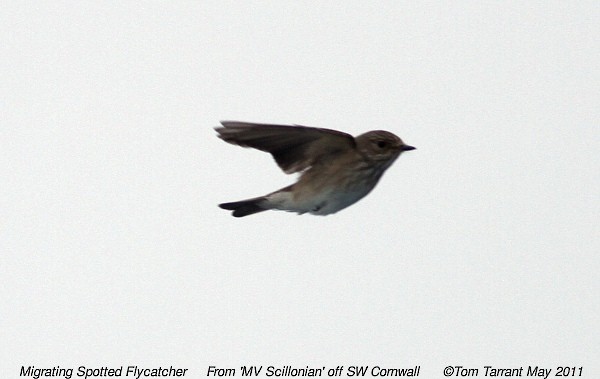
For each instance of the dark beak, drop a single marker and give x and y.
(407, 147)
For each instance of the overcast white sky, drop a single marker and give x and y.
(479, 248)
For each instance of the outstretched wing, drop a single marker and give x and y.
(295, 148)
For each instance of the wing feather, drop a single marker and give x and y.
(295, 148)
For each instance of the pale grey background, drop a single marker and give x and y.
(481, 247)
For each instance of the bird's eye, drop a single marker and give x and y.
(381, 144)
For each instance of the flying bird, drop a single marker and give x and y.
(336, 169)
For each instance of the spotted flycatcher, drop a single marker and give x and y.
(336, 169)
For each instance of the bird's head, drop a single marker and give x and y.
(381, 146)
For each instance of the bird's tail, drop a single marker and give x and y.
(245, 207)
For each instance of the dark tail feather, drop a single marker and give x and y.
(244, 207)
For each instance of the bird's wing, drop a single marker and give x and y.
(295, 148)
